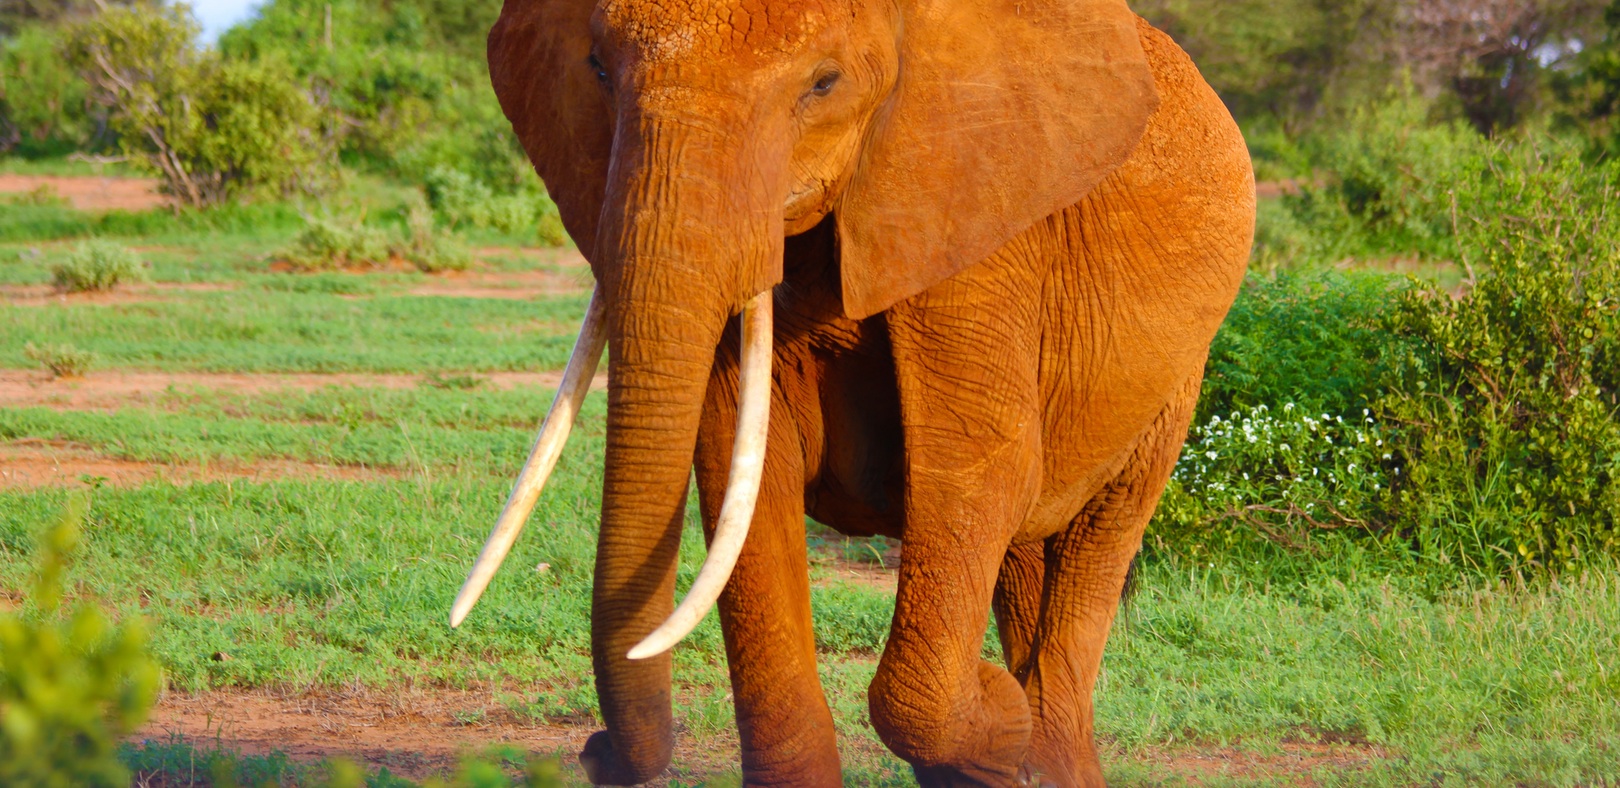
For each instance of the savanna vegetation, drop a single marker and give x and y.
(1390, 554)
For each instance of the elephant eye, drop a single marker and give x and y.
(824, 83)
(598, 69)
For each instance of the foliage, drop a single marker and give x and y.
(1499, 405)
(42, 102)
(407, 81)
(1309, 338)
(1390, 180)
(428, 249)
(61, 360)
(71, 685)
(97, 265)
(461, 199)
(1507, 397)
(214, 128)
(1276, 63)
(335, 244)
(328, 244)
(1494, 56)
(1590, 92)
(1283, 475)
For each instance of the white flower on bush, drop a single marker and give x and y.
(1257, 460)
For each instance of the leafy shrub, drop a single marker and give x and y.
(429, 250)
(97, 266)
(851, 618)
(1498, 408)
(214, 128)
(1283, 475)
(327, 244)
(1306, 338)
(62, 361)
(406, 82)
(71, 685)
(1389, 182)
(460, 199)
(1507, 397)
(42, 102)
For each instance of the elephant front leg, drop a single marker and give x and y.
(966, 359)
(786, 728)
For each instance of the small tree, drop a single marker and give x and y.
(214, 128)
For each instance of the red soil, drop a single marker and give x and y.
(91, 193)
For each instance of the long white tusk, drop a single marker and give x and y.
(548, 447)
(742, 490)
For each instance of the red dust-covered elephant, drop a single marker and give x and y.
(942, 270)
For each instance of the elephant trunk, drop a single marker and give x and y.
(689, 241)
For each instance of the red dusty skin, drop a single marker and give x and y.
(672, 278)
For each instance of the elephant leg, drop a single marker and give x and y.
(786, 728)
(966, 357)
(1086, 565)
(1019, 595)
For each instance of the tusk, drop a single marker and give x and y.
(742, 491)
(548, 447)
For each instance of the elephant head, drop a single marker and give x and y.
(684, 140)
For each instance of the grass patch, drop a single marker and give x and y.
(280, 331)
(62, 361)
(97, 266)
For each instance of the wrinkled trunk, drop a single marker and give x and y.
(688, 238)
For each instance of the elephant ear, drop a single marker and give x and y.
(1005, 112)
(538, 51)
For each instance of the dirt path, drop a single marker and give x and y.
(91, 193)
(418, 733)
(32, 463)
(45, 295)
(507, 285)
(415, 733)
(114, 389)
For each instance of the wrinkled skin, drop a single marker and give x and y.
(1001, 235)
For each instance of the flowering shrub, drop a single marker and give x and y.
(1278, 475)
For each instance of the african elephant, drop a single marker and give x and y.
(942, 270)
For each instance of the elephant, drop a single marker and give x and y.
(946, 271)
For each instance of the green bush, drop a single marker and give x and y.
(1491, 436)
(97, 266)
(1300, 337)
(1388, 183)
(62, 361)
(428, 249)
(213, 128)
(42, 102)
(328, 244)
(1507, 396)
(460, 199)
(71, 685)
(1283, 475)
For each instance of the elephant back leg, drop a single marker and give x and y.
(966, 361)
(785, 726)
(1085, 567)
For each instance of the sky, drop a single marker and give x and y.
(217, 15)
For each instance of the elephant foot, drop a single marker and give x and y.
(606, 766)
(985, 750)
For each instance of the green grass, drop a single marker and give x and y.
(282, 331)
